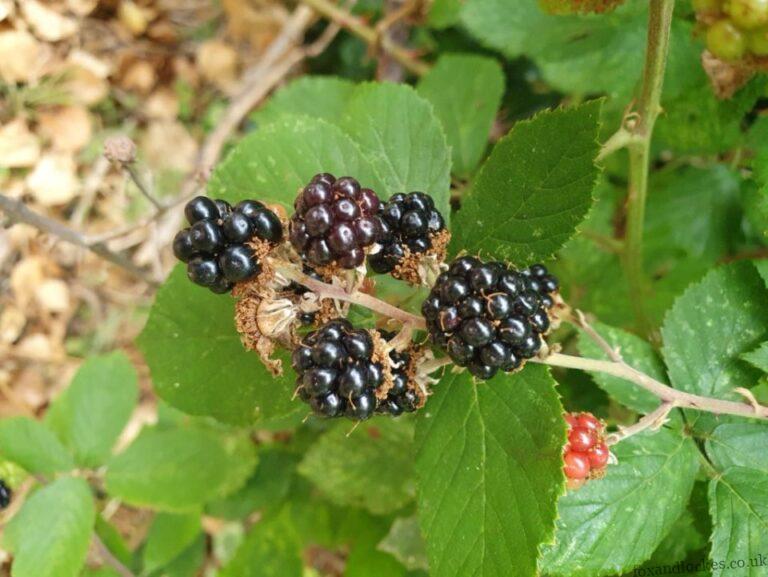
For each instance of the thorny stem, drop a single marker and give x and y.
(653, 420)
(368, 34)
(639, 143)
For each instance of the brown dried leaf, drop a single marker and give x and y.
(139, 77)
(53, 296)
(46, 23)
(12, 323)
(81, 7)
(54, 180)
(87, 78)
(68, 127)
(6, 9)
(218, 63)
(168, 146)
(19, 147)
(163, 104)
(22, 57)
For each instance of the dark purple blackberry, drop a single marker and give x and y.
(336, 373)
(335, 221)
(5, 495)
(538, 279)
(214, 245)
(488, 316)
(410, 221)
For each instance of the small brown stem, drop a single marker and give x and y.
(653, 420)
(324, 290)
(143, 187)
(110, 559)
(368, 34)
(19, 212)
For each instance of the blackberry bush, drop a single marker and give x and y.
(411, 227)
(218, 245)
(335, 221)
(488, 316)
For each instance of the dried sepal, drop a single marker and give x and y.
(423, 268)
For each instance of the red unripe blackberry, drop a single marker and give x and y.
(214, 246)
(334, 221)
(486, 316)
(585, 455)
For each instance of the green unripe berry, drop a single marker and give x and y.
(707, 6)
(748, 14)
(726, 41)
(758, 42)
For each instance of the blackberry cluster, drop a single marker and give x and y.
(214, 245)
(586, 454)
(336, 373)
(408, 221)
(488, 316)
(5, 495)
(338, 376)
(335, 221)
(401, 398)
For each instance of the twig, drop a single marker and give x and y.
(143, 187)
(324, 290)
(20, 213)
(653, 420)
(368, 34)
(664, 392)
(110, 559)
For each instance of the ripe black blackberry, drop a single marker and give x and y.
(214, 246)
(335, 221)
(401, 396)
(538, 279)
(411, 224)
(487, 316)
(5, 495)
(336, 371)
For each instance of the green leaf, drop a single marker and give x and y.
(323, 97)
(370, 468)
(400, 136)
(710, 326)
(91, 413)
(738, 501)
(604, 527)
(692, 213)
(404, 542)
(113, 541)
(683, 539)
(189, 563)
(582, 54)
(180, 469)
(265, 491)
(758, 357)
(33, 446)
(198, 363)
(169, 535)
(274, 162)
(739, 445)
(467, 108)
(49, 537)
(271, 549)
(444, 13)
(636, 352)
(534, 189)
(489, 467)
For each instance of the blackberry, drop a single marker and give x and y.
(538, 279)
(335, 221)
(411, 224)
(401, 397)
(336, 372)
(215, 247)
(5, 495)
(487, 316)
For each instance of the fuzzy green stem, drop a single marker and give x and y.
(659, 25)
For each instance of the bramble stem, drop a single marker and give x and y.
(653, 420)
(324, 290)
(664, 392)
(648, 108)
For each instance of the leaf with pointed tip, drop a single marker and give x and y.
(489, 466)
(534, 189)
(324, 97)
(758, 357)
(32, 445)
